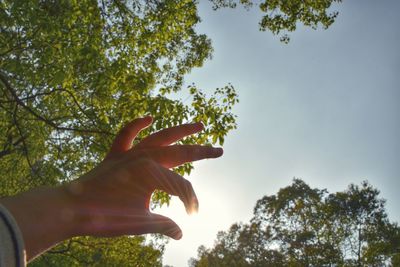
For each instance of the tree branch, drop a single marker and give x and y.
(8, 147)
(25, 147)
(29, 97)
(3, 79)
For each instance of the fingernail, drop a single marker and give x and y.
(174, 233)
(200, 125)
(196, 205)
(179, 235)
(148, 118)
(188, 208)
(218, 151)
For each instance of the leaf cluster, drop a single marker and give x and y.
(283, 16)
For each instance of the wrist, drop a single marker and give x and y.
(45, 217)
(81, 211)
(74, 212)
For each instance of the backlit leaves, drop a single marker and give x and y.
(72, 73)
(283, 16)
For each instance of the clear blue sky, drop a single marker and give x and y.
(325, 108)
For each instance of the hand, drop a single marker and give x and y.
(113, 199)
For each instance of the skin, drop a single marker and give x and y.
(113, 198)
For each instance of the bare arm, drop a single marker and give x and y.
(113, 198)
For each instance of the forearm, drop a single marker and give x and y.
(44, 216)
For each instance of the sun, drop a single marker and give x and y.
(176, 211)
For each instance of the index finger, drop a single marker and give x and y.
(175, 155)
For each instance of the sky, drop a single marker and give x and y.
(324, 108)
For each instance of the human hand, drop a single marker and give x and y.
(113, 199)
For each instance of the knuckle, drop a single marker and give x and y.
(125, 130)
(194, 152)
(128, 128)
(168, 134)
(188, 184)
(142, 158)
(146, 162)
(141, 155)
(187, 152)
(198, 150)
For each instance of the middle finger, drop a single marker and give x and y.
(175, 155)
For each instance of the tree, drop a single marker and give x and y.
(301, 226)
(72, 72)
(89, 251)
(282, 16)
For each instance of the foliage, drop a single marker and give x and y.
(73, 72)
(301, 226)
(89, 251)
(283, 16)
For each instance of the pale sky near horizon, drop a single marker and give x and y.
(324, 108)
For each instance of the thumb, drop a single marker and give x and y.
(126, 135)
(163, 225)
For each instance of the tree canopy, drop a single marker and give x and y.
(90, 251)
(282, 16)
(304, 226)
(73, 72)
